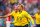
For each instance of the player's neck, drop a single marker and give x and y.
(20, 11)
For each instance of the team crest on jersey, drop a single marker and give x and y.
(21, 17)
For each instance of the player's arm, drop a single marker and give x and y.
(4, 16)
(7, 15)
(13, 22)
(33, 16)
(28, 16)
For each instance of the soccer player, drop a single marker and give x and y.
(37, 17)
(24, 16)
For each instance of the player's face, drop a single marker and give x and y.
(16, 9)
(19, 7)
(39, 11)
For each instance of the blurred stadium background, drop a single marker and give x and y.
(7, 6)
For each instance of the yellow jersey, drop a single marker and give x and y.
(37, 16)
(21, 19)
(24, 17)
(16, 21)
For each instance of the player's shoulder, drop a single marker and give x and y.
(13, 11)
(24, 11)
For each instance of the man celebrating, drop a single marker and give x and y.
(23, 16)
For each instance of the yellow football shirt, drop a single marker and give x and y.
(37, 16)
(16, 19)
(24, 16)
(21, 19)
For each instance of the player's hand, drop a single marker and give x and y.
(33, 25)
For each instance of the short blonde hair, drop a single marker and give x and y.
(21, 5)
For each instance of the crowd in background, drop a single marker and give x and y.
(7, 6)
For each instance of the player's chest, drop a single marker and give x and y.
(38, 17)
(21, 15)
(15, 14)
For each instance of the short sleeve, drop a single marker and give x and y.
(11, 14)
